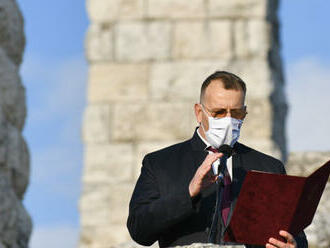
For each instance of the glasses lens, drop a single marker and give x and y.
(220, 113)
(237, 113)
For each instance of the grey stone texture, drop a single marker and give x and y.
(304, 164)
(15, 222)
(148, 59)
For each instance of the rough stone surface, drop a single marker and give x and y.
(148, 59)
(15, 222)
(172, 9)
(238, 8)
(99, 42)
(154, 44)
(96, 128)
(12, 38)
(210, 40)
(111, 163)
(143, 122)
(118, 82)
(303, 164)
(111, 10)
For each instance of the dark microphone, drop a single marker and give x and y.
(227, 151)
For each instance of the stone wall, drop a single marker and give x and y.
(15, 222)
(147, 60)
(304, 164)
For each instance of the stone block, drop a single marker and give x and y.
(97, 125)
(111, 10)
(12, 93)
(103, 236)
(152, 122)
(252, 38)
(99, 43)
(257, 123)
(318, 233)
(108, 205)
(172, 81)
(211, 39)
(238, 8)
(241, 37)
(176, 9)
(142, 41)
(259, 38)
(17, 160)
(12, 37)
(15, 223)
(118, 82)
(111, 163)
(303, 164)
(257, 120)
(257, 76)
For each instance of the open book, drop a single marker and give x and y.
(268, 203)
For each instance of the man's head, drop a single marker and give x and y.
(222, 95)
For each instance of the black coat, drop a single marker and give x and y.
(161, 207)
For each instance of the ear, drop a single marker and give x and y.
(198, 112)
(245, 108)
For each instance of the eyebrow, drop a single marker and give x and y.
(219, 109)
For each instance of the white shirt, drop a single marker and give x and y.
(216, 163)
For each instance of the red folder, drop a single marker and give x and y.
(268, 203)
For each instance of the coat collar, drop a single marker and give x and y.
(196, 142)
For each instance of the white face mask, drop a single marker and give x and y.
(222, 131)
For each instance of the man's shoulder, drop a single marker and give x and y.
(171, 150)
(262, 159)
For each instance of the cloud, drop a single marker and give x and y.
(309, 116)
(64, 236)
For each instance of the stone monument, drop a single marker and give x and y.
(15, 222)
(147, 61)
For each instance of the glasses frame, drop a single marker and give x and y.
(214, 113)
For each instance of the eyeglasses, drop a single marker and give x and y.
(221, 113)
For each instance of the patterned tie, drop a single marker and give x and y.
(225, 200)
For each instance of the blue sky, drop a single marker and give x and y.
(54, 74)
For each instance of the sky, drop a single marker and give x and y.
(54, 74)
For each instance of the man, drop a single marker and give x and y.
(175, 196)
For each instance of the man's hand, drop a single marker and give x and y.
(203, 177)
(290, 241)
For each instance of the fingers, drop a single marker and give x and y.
(275, 243)
(209, 160)
(270, 246)
(290, 239)
(202, 178)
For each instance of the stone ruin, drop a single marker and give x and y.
(15, 222)
(147, 60)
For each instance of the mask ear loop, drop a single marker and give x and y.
(201, 124)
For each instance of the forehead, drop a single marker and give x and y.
(216, 96)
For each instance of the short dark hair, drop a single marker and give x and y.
(229, 80)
